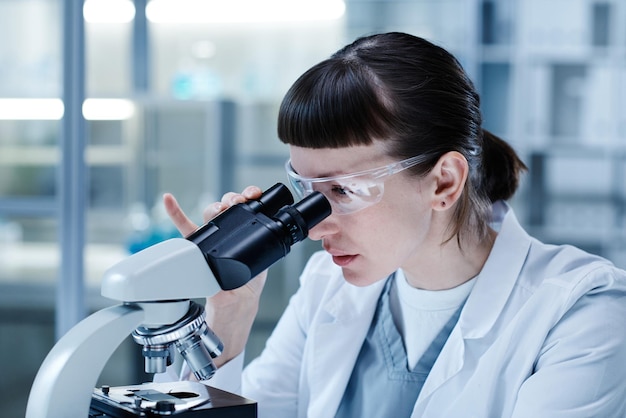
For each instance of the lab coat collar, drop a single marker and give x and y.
(347, 318)
(498, 276)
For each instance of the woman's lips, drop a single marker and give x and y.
(343, 260)
(340, 257)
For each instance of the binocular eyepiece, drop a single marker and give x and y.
(249, 237)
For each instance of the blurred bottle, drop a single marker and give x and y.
(195, 78)
(148, 228)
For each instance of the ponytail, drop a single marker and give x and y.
(502, 168)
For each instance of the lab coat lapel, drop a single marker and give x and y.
(486, 301)
(336, 340)
(497, 278)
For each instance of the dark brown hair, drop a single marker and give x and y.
(415, 96)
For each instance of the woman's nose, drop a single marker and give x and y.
(327, 227)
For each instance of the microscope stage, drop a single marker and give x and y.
(184, 399)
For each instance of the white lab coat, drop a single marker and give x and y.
(542, 334)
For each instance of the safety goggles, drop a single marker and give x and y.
(353, 192)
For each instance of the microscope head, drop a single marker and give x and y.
(223, 254)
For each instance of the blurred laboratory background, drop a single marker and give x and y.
(106, 105)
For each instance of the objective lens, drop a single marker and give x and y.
(197, 357)
(156, 358)
(211, 341)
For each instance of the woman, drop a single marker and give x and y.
(429, 300)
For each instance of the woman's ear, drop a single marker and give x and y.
(450, 174)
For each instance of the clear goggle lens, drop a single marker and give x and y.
(350, 193)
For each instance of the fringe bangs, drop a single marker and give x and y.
(333, 105)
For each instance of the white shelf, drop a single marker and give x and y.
(96, 155)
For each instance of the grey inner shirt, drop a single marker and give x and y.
(381, 384)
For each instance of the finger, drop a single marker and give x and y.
(229, 199)
(252, 192)
(181, 221)
(232, 198)
(213, 210)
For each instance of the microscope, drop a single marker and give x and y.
(155, 287)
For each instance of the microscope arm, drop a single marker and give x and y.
(64, 385)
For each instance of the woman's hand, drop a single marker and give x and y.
(230, 314)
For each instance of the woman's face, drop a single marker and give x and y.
(370, 244)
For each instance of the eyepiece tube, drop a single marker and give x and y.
(299, 218)
(313, 208)
(272, 200)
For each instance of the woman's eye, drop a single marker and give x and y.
(341, 191)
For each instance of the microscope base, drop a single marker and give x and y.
(179, 399)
